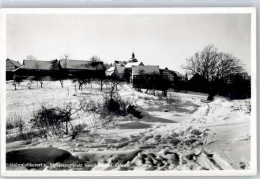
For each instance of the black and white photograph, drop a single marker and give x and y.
(145, 91)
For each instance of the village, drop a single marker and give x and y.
(130, 71)
(90, 113)
(140, 76)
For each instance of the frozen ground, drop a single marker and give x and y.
(192, 134)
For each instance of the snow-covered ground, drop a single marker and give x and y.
(189, 134)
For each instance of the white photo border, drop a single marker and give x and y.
(215, 10)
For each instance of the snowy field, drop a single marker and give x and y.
(191, 134)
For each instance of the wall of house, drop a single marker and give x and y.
(167, 75)
(9, 75)
(86, 74)
(9, 68)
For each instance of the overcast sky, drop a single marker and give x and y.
(165, 40)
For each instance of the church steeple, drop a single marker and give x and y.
(133, 59)
(133, 55)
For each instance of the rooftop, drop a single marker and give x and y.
(147, 69)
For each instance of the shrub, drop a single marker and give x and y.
(28, 136)
(114, 104)
(16, 82)
(136, 111)
(15, 121)
(173, 99)
(160, 96)
(52, 120)
(110, 105)
(29, 84)
(77, 130)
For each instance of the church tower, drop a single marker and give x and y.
(133, 59)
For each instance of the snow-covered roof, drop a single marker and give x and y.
(81, 65)
(120, 68)
(129, 65)
(110, 71)
(74, 64)
(15, 63)
(36, 64)
(146, 69)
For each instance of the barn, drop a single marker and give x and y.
(11, 65)
(32, 69)
(82, 69)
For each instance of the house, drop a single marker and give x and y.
(145, 76)
(119, 72)
(11, 65)
(198, 84)
(145, 70)
(175, 80)
(32, 69)
(83, 69)
(168, 74)
(122, 69)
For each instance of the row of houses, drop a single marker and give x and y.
(30, 69)
(132, 71)
(144, 76)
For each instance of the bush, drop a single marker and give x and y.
(15, 121)
(52, 120)
(173, 100)
(77, 130)
(115, 105)
(28, 136)
(136, 111)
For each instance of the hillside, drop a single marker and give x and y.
(180, 132)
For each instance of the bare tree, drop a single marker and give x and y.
(65, 56)
(16, 81)
(39, 73)
(30, 57)
(102, 78)
(40, 79)
(94, 62)
(214, 66)
(95, 58)
(80, 80)
(115, 81)
(57, 72)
